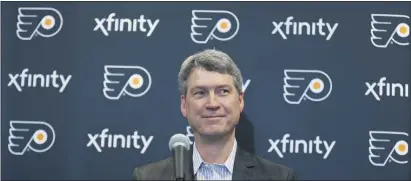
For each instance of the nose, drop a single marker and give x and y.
(212, 102)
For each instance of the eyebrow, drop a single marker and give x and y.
(206, 87)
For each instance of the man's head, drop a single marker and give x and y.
(210, 85)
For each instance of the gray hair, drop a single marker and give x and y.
(210, 60)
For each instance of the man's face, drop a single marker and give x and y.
(212, 105)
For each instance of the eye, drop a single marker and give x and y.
(224, 91)
(199, 93)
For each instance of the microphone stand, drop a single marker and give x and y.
(178, 158)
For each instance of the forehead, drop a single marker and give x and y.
(201, 77)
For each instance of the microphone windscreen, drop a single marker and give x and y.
(179, 140)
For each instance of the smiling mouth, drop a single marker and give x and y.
(213, 116)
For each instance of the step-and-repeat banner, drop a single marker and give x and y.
(89, 89)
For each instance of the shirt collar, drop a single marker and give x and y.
(229, 163)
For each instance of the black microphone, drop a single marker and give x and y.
(179, 144)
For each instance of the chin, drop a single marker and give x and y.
(214, 132)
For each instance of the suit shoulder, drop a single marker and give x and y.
(276, 170)
(145, 172)
(156, 164)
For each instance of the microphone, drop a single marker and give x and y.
(179, 144)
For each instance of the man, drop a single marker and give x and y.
(210, 85)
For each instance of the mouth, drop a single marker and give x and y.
(215, 116)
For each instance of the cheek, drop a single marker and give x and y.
(231, 105)
(194, 107)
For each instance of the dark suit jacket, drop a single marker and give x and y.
(246, 167)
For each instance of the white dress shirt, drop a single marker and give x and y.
(212, 171)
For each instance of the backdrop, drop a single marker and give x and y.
(89, 89)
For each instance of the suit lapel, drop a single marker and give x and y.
(243, 165)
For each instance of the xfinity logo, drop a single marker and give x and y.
(390, 89)
(105, 140)
(25, 79)
(286, 145)
(304, 28)
(109, 24)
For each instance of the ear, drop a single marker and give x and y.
(183, 106)
(241, 99)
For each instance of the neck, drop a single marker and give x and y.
(216, 150)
